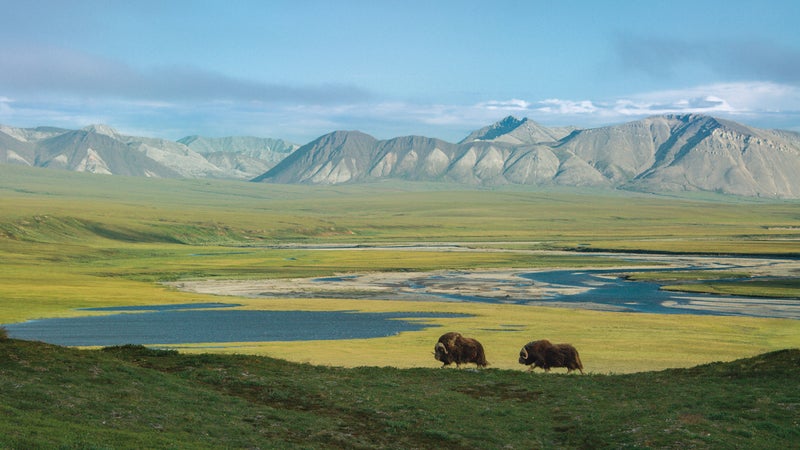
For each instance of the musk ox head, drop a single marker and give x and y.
(440, 353)
(533, 353)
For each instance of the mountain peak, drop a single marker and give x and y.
(504, 126)
(102, 129)
(517, 132)
(341, 137)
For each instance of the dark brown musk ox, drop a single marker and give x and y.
(452, 347)
(546, 355)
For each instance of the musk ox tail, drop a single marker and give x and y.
(573, 359)
(480, 357)
(578, 362)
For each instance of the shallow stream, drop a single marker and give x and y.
(599, 289)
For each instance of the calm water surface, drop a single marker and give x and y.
(218, 322)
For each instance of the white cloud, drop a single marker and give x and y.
(699, 105)
(764, 104)
(727, 98)
(514, 104)
(558, 106)
(752, 99)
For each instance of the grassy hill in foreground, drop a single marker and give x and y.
(133, 397)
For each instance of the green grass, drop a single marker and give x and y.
(132, 397)
(53, 206)
(685, 275)
(723, 283)
(72, 240)
(780, 288)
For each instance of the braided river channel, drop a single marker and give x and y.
(598, 289)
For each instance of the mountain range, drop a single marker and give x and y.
(660, 153)
(101, 149)
(657, 154)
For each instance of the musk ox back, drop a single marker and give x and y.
(454, 348)
(546, 355)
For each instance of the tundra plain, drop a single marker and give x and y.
(73, 241)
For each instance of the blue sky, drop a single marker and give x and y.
(299, 69)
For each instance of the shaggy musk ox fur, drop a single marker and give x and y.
(455, 348)
(544, 354)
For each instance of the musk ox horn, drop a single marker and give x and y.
(524, 352)
(441, 346)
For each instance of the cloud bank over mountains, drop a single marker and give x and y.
(301, 70)
(69, 88)
(30, 69)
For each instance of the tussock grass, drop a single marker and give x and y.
(133, 397)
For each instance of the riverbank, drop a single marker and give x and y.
(519, 286)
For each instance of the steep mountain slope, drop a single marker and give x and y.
(246, 156)
(101, 149)
(17, 145)
(337, 157)
(31, 134)
(710, 154)
(89, 151)
(661, 153)
(14, 151)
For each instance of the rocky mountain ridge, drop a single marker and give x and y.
(659, 153)
(656, 154)
(101, 149)
(515, 131)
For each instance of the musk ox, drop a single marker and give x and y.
(454, 348)
(544, 354)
